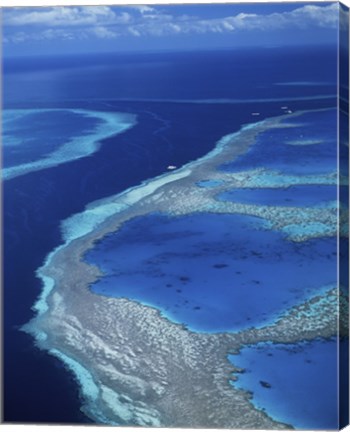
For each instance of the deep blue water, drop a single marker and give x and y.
(243, 74)
(303, 381)
(292, 196)
(36, 386)
(211, 272)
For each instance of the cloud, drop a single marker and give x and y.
(104, 33)
(65, 16)
(344, 20)
(48, 34)
(326, 16)
(143, 9)
(302, 17)
(320, 16)
(105, 22)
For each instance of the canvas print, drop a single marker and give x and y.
(175, 215)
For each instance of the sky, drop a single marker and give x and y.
(84, 29)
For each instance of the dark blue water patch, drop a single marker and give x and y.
(32, 136)
(344, 196)
(344, 265)
(293, 196)
(281, 149)
(209, 183)
(344, 380)
(211, 272)
(295, 384)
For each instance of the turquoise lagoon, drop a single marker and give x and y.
(212, 272)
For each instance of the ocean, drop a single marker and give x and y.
(178, 106)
